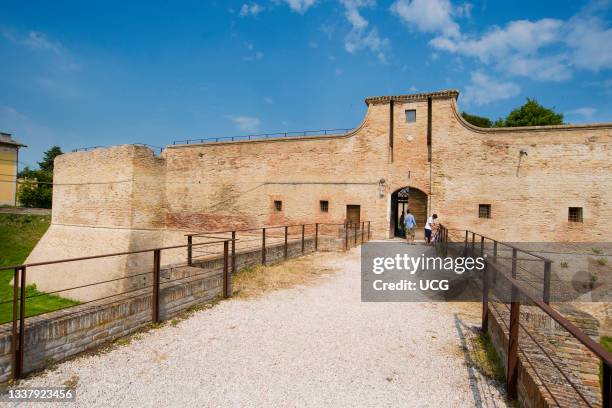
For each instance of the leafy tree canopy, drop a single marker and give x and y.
(37, 189)
(479, 121)
(533, 114)
(529, 114)
(48, 157)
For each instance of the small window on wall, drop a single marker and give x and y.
(484, 210)
(411, 116)
(278, 205)
(324, 205)
(574, 214)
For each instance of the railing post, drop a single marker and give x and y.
(485, 298)
(316, 236)
(303, 232)
(466, 242)
(495, 251)
(189, 250)
(233, 252)
(473, 242)
(481, 246)
(606, 386)
(263, 246)
(369, 236)
(226, 276)
(513, 338)
(346, 243)
(286, 233)
(355, 237)
(546, 294)
(22, 316)
(362, 231)
(14, 338)
(514, 259)
(156, 270)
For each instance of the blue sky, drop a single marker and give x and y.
(97, 73)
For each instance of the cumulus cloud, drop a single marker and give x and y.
(252, 9)
(430, 16)
(300, 6)
(547, 49)
(360, 38)
(483, 89)
(589, 39)
(245, 123)
(517, 37)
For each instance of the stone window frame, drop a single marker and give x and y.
(324, 205)
(278, 205)
(575, 214)
(410, 115)
(484, 211)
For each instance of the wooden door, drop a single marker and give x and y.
(353, 214)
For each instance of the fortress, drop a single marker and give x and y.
(548, 183)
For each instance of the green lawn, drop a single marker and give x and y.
(18, 235)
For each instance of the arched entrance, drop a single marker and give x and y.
(408, 198)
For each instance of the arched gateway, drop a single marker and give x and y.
(408, 198)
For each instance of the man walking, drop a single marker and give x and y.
(409, 227)
(429, 225)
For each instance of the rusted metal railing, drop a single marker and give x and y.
(20, 298)
(520, 291)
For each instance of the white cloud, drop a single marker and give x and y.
(521, 37)
(39, 41)
(586, 112)
(359, 38)
(483, 89)
(268, 100)
(553, 68)
(547, 49)
(589, 38)
(252, 9)
(429, 16)
(300, 6)
(245, 123)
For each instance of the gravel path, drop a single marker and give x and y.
(317, 345)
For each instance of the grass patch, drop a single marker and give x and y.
(485, 358)
(19, 233)
(254, 281)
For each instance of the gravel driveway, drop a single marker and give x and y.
(316, 345)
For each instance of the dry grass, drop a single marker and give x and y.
(254, 281)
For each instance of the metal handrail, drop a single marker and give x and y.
(320, 132)
(83, 258)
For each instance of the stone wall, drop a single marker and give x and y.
(125, 198)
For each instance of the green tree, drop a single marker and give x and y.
(48, 157)
(36, 190)
(533, 114)
(499, 123)
(479, 121)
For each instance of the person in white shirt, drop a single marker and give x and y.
(429, 225)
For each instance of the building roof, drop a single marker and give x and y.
(445, 93)
(6, 139)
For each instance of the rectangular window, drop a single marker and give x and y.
(324, 205)
(278, 205)
(574, 214)
(484, 210)
(411, 115)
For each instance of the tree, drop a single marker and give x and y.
(48, 157)
(37, 189)
(533, 114)
(479, 121)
